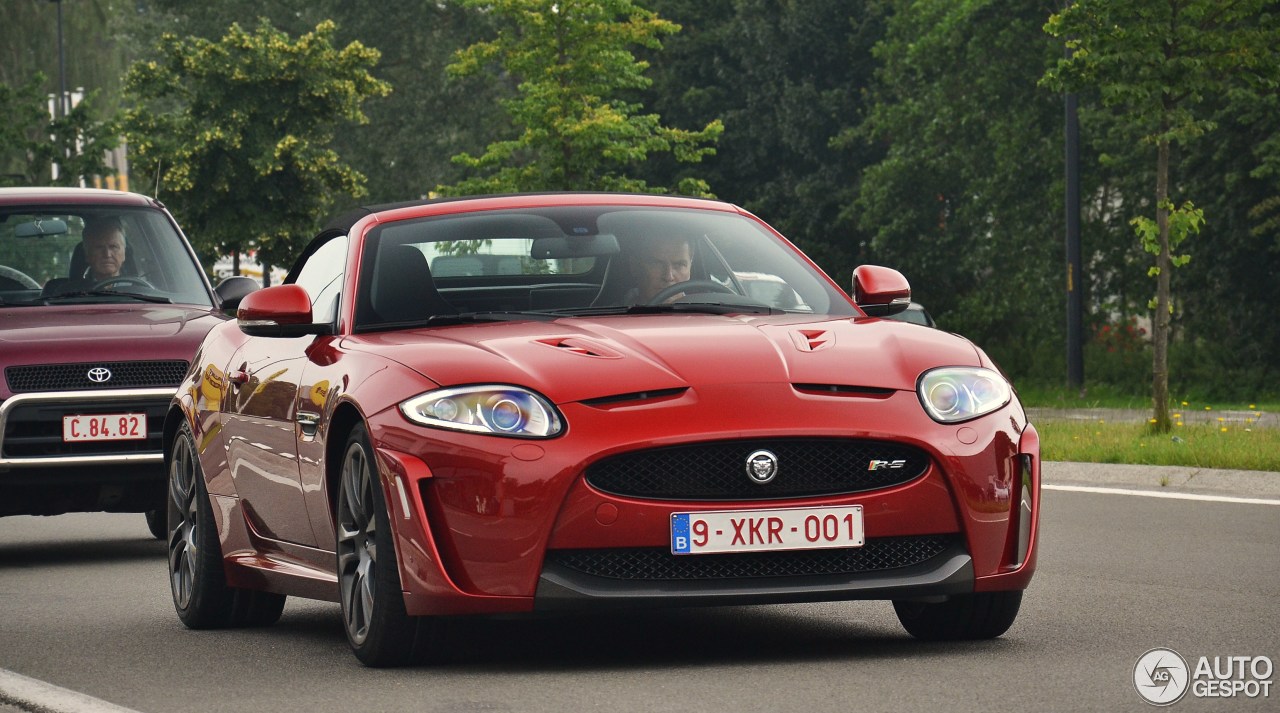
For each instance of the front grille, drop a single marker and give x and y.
(717, 471)
(35, 430)
(75, 377)
(877, 554)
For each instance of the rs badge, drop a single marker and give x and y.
(887, 464)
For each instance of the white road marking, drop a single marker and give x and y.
(34, 694)
(1159, 494)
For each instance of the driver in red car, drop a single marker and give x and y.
(104, 248)
(658, 264)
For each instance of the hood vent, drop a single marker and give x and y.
(812, 340)
(577, 345)
(870, 392)
(636, 397)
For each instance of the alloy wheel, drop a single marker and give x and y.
(183, 513)
(357, 543)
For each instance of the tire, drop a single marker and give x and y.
(985, 615)
(157, 525)
(201, 596)
(379, 631)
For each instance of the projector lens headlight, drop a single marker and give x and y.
(492, 408)
(954, 394)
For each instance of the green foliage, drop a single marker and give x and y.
(239, 131)
(965, 200)
(1183, 220)
(572, 62)
(1154, 65)
(31, 142)
(785, 77)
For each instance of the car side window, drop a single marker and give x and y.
(321, 276)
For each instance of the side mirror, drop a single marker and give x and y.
(280, 311)
(233, 289)
(880, 291)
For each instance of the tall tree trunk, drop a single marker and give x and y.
(1164, 264)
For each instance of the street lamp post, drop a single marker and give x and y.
(63, 98)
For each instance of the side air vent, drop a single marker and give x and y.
(638, 396)
(872, 392)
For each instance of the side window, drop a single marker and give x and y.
(321, 276)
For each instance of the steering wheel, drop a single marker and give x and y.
(19, 277)
(122, 281)
(697, 286)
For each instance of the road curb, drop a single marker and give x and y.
(29, 694)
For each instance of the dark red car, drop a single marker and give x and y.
(545, 402)
(91, 362)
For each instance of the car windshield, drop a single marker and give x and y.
(586, 260)
(94, 254)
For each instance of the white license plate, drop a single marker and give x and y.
(104, 427)
(696, 533)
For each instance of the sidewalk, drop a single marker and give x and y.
(1165, 478)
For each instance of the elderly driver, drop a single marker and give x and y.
(104, 248)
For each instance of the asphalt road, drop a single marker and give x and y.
(84, 605)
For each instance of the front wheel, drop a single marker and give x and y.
(373, 613)
(984, 615)
(201, 595)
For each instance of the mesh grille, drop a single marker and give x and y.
(717, 471)
(659, 564)
(75, 377)
(35, 430)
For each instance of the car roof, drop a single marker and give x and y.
(31, 195)
(347, 220)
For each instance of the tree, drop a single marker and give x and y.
(1154, 62)
(963, 201)
(572, 62)
(239, 131)
(785, 77)
(31, 142)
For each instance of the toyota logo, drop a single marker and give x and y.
(99, 374)
(762, 466)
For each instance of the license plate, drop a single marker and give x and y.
(104, 427)
(696, 533)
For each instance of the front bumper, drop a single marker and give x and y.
(42, 474)
(485, 524)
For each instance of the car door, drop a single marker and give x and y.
(262, 423)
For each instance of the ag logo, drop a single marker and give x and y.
(1161, 677)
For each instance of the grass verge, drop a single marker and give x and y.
(1037, 396)
(1195, 445)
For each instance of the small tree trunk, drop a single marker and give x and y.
(1160, 321)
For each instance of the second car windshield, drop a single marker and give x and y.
(51, 255)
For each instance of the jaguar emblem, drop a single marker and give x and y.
(762, 466)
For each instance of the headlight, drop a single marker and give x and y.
(954, 394)
(492, 408)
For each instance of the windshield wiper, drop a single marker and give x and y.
(670, 308)
(490, 316)
(704, 308)
(157, 299)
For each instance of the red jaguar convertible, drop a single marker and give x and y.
(533, 403)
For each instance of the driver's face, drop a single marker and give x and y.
(105, 254)
(663, 263)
